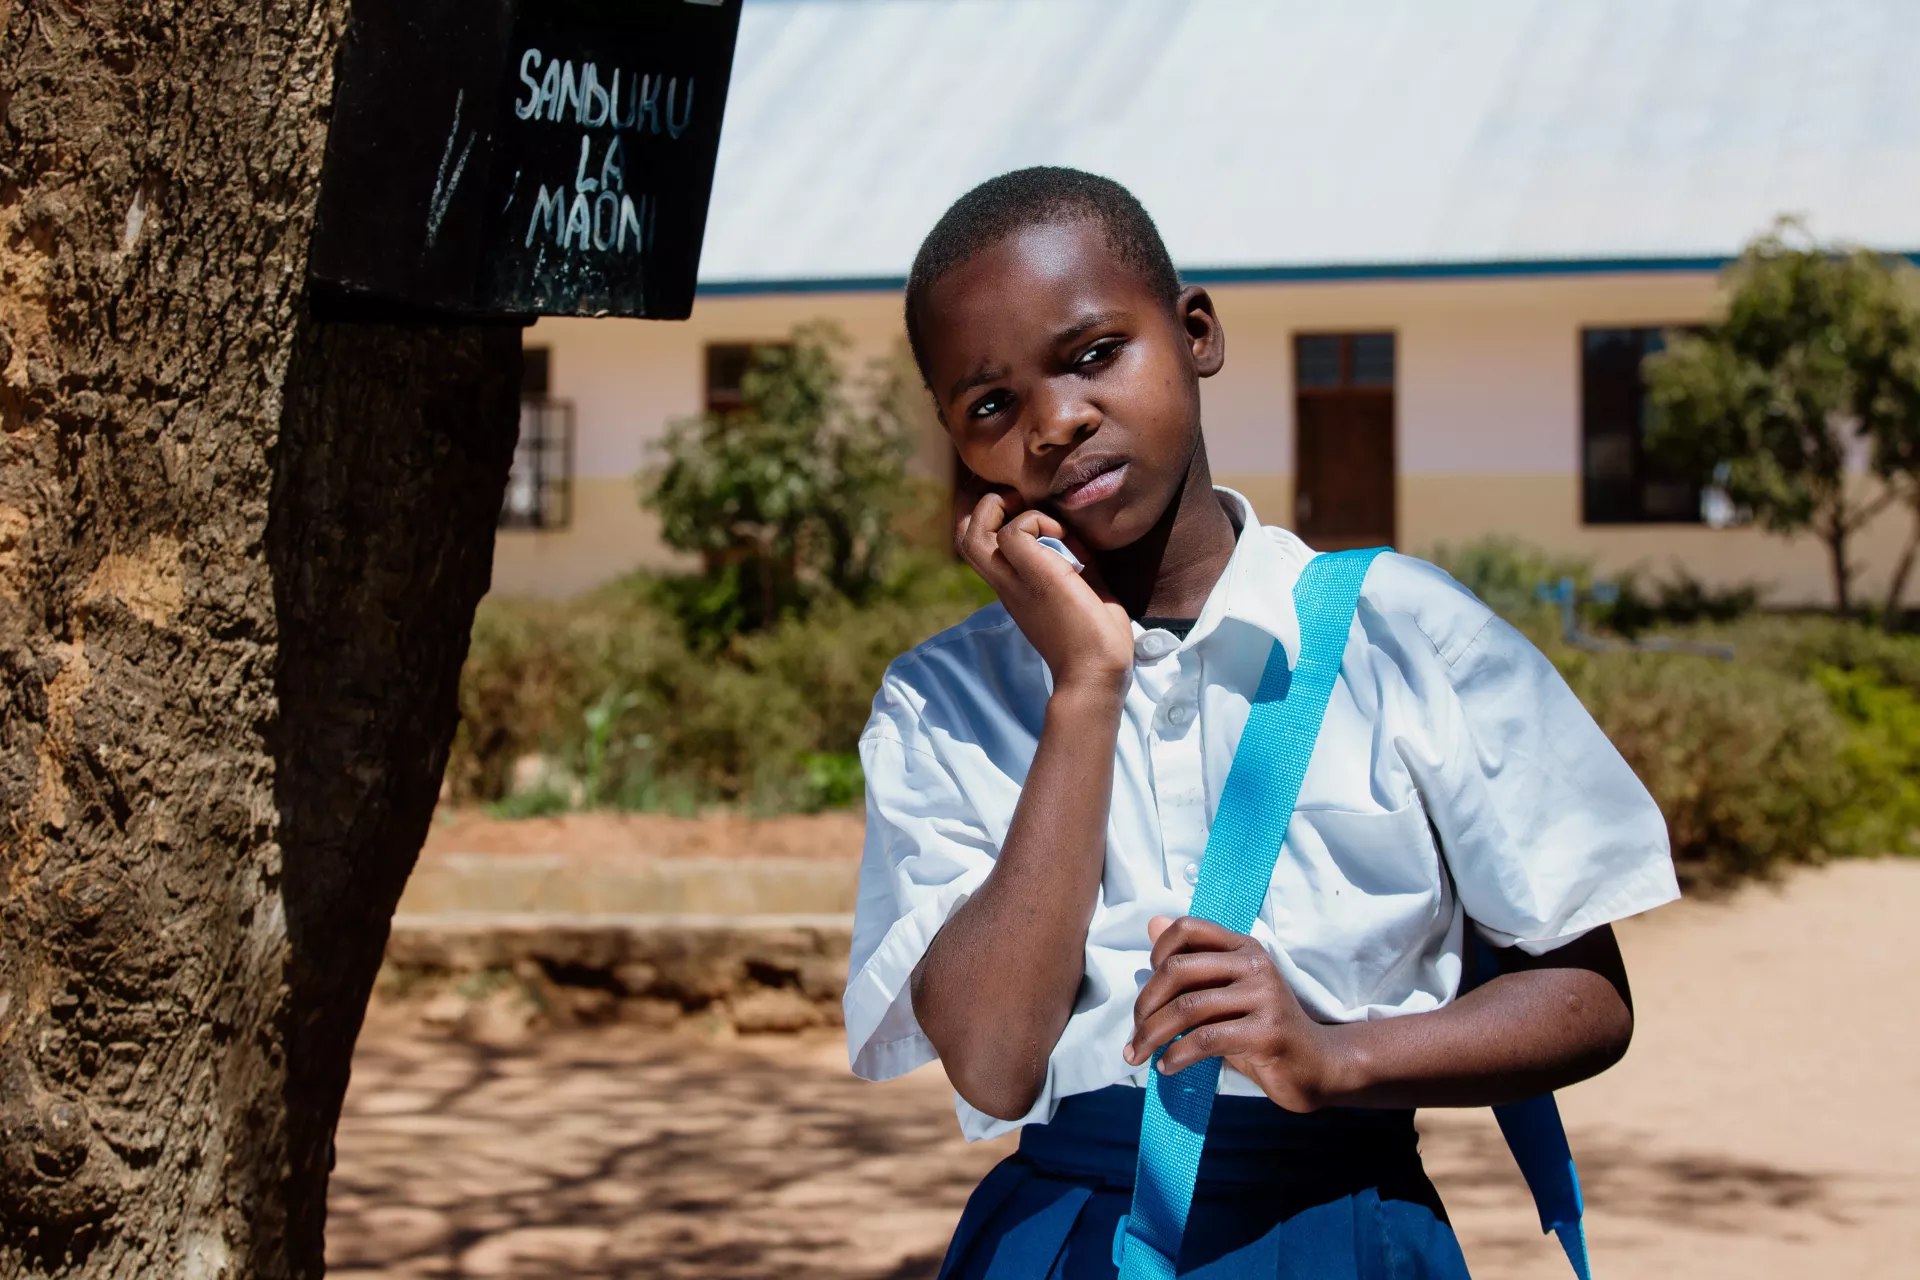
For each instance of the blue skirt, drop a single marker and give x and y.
(1336, 1195)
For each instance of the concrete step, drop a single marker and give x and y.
(494, 884)
(753, 972)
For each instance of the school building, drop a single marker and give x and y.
(1440, 237)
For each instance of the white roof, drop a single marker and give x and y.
(1277, 137)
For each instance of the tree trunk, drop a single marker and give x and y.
(1897, 586)
(1837, 536)
(239, 555)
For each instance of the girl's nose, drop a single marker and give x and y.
(1059, 421)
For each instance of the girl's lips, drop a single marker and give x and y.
(1088, 492)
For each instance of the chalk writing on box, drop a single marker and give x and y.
(567, 172)
(601, 214)
(611, 115)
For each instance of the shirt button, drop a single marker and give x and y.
(1180, 713)
(1192, 873)
(1154, 645)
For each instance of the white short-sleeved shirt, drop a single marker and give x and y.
(1456, 776)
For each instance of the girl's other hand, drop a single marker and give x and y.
(1216, 993)
(1082, 633)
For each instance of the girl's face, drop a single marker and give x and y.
(1064, 378)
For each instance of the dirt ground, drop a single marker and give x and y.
(1766, 1125)
(835, 834)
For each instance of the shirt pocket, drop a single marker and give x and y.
(1357, 897)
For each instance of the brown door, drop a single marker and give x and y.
(1344, 440)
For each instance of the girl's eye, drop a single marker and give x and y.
(1099, 353)
(989, 404)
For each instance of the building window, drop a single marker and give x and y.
(1621, 481)
(1344, 361)
(540, 485)
(728, 364)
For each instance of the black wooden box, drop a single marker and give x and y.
(521, 157)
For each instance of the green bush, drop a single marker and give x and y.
(1881, 757)
(1744, 762)
(1802, 644)
(793, 496)
(609, 692)
(1679, 599)
(834, 779)
(1507, 574)
(1807, 746)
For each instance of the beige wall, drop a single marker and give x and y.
(610, 534)
(1488, 406)
(629, 378)
(1487, 401)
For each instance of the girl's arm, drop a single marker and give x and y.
(997, 984)
(1550, 1021)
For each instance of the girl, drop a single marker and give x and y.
(1042, 779)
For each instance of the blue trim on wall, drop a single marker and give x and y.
(1451, 270)
(1501, 269)
(845, 284)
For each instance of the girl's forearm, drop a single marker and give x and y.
(1564, 1017)
(997, 984)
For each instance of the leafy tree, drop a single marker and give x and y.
(792, 497)
(1815, 360)
(1894, 421)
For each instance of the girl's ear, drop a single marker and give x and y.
(1206, 339)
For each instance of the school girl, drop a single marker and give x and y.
(1043, 781)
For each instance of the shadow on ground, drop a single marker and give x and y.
(1640, 1198)
(617, 1152)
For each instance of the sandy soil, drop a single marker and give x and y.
(1766, 1125)
(821, 835)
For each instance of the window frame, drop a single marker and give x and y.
(542, 453)
(1347, 338)
(1622, 502)
(723, 400)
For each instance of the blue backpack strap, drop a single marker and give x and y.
(1538, 1141)
(1244, 843)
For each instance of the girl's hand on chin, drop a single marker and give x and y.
(1067, 614)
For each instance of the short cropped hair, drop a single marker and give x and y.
(1042, 196)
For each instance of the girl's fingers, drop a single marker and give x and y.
(1183, 973)
(1188, 1015)
(968, 489)
(1018, 543)
(976, 536)
(1222, 1039)
(1202, 973)
(1038, 524)
(1019, 546)
(989, 514)
(1191, 933)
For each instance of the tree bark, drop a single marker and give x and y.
(1838, 536)
(239, 555)
(1897, 585)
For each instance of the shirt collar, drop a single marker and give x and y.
(1257, 586)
